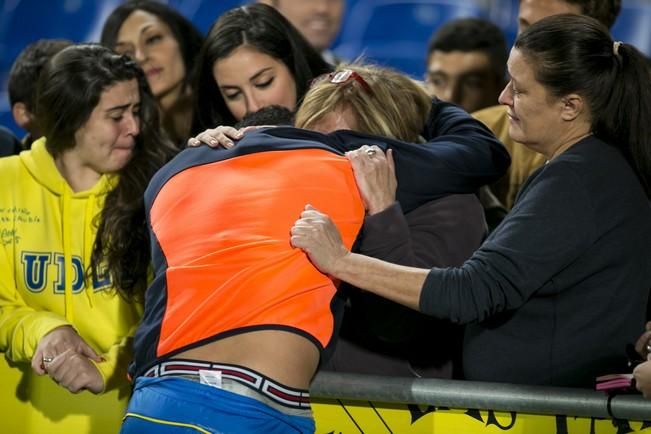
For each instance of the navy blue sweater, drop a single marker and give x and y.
(560, 287)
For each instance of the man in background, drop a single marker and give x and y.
(317, 20)
(21, 85)
(466, 63)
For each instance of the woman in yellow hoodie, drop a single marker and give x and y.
(64, 331)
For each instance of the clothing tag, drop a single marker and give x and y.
(211, 378)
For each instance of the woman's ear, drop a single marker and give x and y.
(573, 106)
(22, 116)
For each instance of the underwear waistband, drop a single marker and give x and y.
(278, 393)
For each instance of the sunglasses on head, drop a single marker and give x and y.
(342, 77)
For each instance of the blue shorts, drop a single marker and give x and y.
(170, 405)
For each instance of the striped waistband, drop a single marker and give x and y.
(276, 392)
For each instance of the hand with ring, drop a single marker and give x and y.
(375, 175)
(75, 372)
(57, 342)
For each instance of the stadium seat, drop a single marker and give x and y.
(395, 32)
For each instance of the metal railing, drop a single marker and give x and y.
(480, 395)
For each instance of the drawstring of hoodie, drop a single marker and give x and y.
(69, 273)
(67, 253)
(88, 245)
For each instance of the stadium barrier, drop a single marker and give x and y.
(351, 403)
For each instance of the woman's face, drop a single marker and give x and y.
(249, 80)
(534, 114)
(105, 143)
(150, 42)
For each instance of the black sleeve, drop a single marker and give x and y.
(467, 145)
(550, 226)
(441, 233)
(460, 156)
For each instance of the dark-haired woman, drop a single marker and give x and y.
(252, 58)
(165, 44)
(100, 148)
(560, 287)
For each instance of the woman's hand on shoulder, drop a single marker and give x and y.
(223, 136)
(375, 175)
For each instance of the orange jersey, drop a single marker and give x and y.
(220, 223)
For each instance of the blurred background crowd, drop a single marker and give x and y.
(391, 32)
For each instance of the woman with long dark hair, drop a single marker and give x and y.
(252, 58)
(100, 147)
(165, 44)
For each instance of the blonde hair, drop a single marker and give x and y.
(393, 105)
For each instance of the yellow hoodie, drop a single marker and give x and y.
(46, 236)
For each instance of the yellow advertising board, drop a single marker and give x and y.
(354, 417)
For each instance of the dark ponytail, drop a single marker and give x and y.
(625, 119)
(576, 54)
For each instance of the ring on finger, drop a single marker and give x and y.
(648, 347)
(371, 152)
(47, 359)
